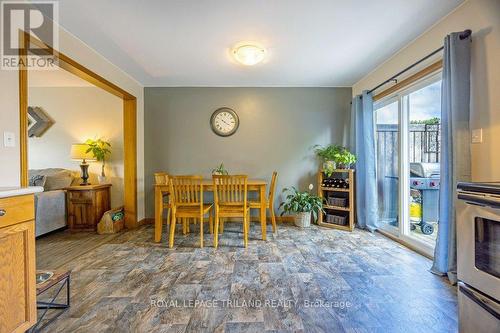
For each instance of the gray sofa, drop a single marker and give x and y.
(50, 205)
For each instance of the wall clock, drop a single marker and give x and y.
(224, 121)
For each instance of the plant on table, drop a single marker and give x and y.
(220, 170)
(100, 149)
(302, 205)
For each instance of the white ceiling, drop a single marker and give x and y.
(310, 42)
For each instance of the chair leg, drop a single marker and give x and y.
(210, 222)
(201, 230)
(172, 231)
(184, 225)
(273, 219)
(245, 230)
(216, 231)
(188, 225)
(221, 225)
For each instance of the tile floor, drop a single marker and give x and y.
(315, 280)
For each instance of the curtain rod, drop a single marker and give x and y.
(463, 35)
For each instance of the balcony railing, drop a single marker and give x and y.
(425, 141)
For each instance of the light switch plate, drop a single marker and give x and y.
(477, 135)
(9, 139)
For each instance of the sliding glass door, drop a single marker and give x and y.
(407, 127)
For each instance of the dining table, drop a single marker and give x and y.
(253, 185)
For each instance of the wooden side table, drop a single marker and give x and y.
(86, 205)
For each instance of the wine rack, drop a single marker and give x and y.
(337, 192)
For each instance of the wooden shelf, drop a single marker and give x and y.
(335, 226)
(330, 189)
(340, 170)
(345, 209)
(350, 210)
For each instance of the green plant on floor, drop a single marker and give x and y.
(100, 149)
(301, 202)
(220, 170)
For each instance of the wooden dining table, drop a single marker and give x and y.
(253, 185)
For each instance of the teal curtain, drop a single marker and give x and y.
(362, 144)
(455, 147)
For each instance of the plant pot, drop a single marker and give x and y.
(329, 165)
(303, 220)
(344, 166)
(102, 179)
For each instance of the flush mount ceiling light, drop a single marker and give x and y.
(249, 54)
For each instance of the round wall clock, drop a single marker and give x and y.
(224, 121)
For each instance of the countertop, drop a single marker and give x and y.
(14, 191)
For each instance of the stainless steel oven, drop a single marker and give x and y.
(478, 256)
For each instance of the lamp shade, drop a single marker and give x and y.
(79, 152)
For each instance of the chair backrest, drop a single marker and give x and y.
(186, 190)
(230, 189)
(272, 188)
(161, 178)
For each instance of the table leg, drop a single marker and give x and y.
(263, 222)
(158, 214)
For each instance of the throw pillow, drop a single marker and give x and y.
(58, 181)
(37, 180)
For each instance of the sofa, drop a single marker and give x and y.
(50, 205)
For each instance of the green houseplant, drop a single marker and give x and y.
(101, 149)
(302, 205)
(220, 170)
(328, 155)
(344, 159)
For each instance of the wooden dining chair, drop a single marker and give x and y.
(186, 198)
(269, 201)
(161, 178)
(230, 200)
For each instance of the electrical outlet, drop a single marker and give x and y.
(477, 135)
(9, 139)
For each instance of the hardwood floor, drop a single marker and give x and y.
(316, 280)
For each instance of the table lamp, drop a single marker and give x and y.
(79, 153)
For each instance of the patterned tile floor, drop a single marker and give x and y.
(316, 280)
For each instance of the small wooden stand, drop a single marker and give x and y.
(86, 205)
(347, 193)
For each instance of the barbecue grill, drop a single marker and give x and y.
(424, 177)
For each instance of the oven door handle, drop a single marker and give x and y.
(480, 300)
(479, 200)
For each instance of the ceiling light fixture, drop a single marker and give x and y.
(249, 54)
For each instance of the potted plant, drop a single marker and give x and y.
(302, 205)
(328, 155)
(220, 170)
(344, 159)
(100, 149)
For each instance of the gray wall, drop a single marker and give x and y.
(278, 126)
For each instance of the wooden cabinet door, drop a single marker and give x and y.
(17, 277)
(81, 213)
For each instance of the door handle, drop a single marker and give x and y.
(2, 212)
(479, 300)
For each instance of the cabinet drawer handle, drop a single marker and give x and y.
(2, 212)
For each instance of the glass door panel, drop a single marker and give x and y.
(387, 150)
(423, 157)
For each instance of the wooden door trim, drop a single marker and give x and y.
(434, 67)
(129, 119)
